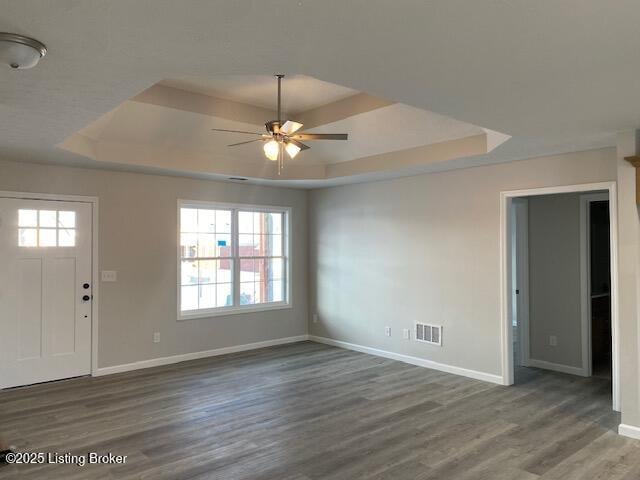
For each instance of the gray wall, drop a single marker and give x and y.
(425, 248)
(554, 279)
(628, 280)
(137, 236)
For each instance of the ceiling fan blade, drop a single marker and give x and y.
(321, 136)
(234, 131)
(242, 143)
(301, 146)
(290, 127)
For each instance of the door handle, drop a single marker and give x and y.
(86, 298)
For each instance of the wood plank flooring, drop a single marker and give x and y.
(308, 411)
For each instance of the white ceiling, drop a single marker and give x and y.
(557, 76)
(387, 129)
(299, 92)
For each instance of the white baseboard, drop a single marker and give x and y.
(421, 362)
(629, 431)
(156, 362)
(557, 367)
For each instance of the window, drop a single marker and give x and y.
(46, 228)
(232, 259)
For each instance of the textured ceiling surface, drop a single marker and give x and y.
(556, 76)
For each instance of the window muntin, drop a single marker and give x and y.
(46, 228)
(231, 258)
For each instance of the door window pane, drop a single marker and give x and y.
(47, 237)
(66, 219)
(27, 218)
(27, 237)
(66, 237)
(48, 219)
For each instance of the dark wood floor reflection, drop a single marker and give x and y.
(308, 411)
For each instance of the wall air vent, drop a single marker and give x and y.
(429, 333)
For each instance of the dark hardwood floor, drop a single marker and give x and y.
(308, 411)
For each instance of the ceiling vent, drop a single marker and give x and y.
(429, 333)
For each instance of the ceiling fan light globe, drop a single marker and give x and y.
(271, 150)
(292, 150)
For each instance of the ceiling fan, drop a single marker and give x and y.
(281, 137)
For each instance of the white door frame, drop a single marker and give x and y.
(585, 276)
(94, 256)
(522, 282)
(506, 200)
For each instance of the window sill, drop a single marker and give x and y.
(233, 311)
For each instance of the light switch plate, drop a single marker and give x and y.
(109, 276)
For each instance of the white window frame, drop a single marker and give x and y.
(235, 309)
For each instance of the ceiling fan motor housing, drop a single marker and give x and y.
(273, 126)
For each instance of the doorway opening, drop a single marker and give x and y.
(559, 283)
(597, 265)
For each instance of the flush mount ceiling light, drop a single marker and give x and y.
(282, 137)
(20, 52)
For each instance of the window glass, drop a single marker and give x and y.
(214, 242)
(46, 228)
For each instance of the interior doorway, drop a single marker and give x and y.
(596, 264)
(592, 345)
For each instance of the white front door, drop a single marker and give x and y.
(45, 290)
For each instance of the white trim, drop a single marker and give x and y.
(421, 362)
(287, 247)
(629, 431)
(95, 268)
(557, 367)
(185, 357)
(522, 282)
(506, 199)
(223, 311)
(585, 277)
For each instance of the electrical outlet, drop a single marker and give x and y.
(406, 333)
(315, 318)
(156, 337)
(553, 340)
(387, 331)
